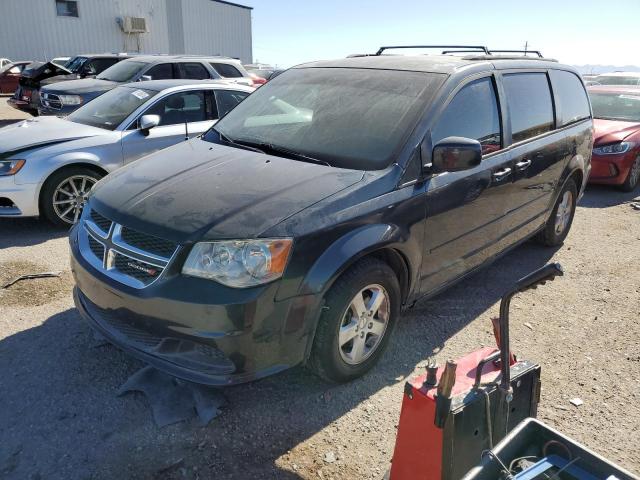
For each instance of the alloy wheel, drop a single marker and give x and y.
(563, 214)
(634, 174)
(364, 324)
(70, 196)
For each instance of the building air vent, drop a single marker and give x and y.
(134, 25)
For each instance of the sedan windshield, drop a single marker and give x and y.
(123, 71)
(616, 106)
(344, 117)
(112, 108)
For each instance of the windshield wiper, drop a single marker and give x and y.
(282, 151)
(231, 141)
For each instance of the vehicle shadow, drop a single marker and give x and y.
(61, 417)
(25, 232)
(603, 196)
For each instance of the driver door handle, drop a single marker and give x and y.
(523, 165)
(501, 174)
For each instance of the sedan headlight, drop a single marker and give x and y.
(70, 99)
(239, 263)
(613, 148)
(10, 167)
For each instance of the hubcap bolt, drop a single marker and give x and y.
(361, 334)
(370, 325)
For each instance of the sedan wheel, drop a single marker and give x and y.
(70, 196)
(363, 324)
(633, 177)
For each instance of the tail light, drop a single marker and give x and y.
(257, 81)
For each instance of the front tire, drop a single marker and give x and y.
(633, 177)
(559, 223)
(359, 315)
(64, 194)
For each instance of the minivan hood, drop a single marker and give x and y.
(81, 87)
(198, 190)
(40, 132)
(611, 131)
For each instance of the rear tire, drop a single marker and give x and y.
(64, 190)
(633, 177)
(349, 340)
(559, 223)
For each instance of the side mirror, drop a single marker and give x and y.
(145, 78)
(147, 122)
(453, 154)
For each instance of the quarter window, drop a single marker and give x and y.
(226, 70)
(473, 113)
(67, 8)
(179, 108)
(193, 71)
(530, 104)
(571, 98)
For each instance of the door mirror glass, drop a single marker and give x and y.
(453, 154)
(147, 122)
(146, 78)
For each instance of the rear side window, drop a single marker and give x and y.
(530, 105)
(226, 70)
(163, 71)
(228, 99)
(571, 98)
(473, 113)
(179, 108)
(193, 71)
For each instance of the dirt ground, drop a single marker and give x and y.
(60, 417)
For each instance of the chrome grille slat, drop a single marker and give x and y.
(102, 245)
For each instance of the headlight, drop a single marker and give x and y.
(10, 167)
(613, 148)
(70, 99)
(239, 263)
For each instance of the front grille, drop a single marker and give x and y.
(148, 243)
(142, 271)
(103, 223)
(96, 248)
(130, 257)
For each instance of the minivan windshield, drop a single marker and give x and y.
(616, 106)
(346, 117)
(110, 109)
(123, 71)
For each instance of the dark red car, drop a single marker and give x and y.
(616, 148)
(9, 75)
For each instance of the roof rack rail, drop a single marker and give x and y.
(471, 48)
(537, 52)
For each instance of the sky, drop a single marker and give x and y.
(577, 32)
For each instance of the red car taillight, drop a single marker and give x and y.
(257, 81)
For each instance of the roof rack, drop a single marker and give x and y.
(537, 52)
(468, 48)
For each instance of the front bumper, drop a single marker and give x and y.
(18, 200)
(194, 329)
(611, 169)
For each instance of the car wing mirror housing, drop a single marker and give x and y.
(145, 78)
(147, 122)
(454, 154)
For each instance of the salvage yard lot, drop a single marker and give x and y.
(60, 416)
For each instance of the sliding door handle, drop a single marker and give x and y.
(501, 174)
(523, 165)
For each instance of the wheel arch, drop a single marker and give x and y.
(77, 164)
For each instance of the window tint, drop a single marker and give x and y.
(571, 98)
(98, 65)
(193, 71)
(530, 106)
(227, 99)
(227, 71)
(162, 71)
(473, 113)
(180, 107)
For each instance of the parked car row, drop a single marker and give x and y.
(296, 228)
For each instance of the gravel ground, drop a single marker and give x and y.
(60, 417)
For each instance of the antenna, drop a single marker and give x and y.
(186, 125)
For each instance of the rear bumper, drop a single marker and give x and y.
(611, 169)
(22, 105)
(191, 328)
(18, 200)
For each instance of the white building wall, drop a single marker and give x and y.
(31, 30)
